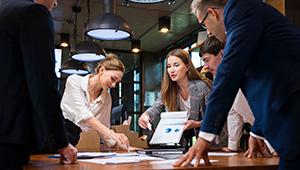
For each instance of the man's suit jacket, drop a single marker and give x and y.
(261, 56)
(29, 101)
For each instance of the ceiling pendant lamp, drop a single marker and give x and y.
(64, 40)
(109, 25)
(135, 46)
(88, 51)
(147, 1)
(164, 25)
(75, 67)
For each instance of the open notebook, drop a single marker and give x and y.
(169, 128)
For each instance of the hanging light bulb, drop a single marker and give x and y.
(75, 67)
(135, 46)
(88, 51)
(145, 1)
(64, 40)
(164, 24)
(109, 26)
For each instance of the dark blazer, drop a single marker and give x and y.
(29, 101)
(261, 56)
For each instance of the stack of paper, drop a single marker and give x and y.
(121, 159)
(172, 161)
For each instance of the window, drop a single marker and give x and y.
(129, 88)
(58, 55)
(194, 53)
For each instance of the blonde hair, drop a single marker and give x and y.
(169, 88)
(203, 5)
(111, 62)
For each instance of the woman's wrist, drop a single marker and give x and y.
(110, 133)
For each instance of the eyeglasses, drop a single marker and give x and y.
(201, 23)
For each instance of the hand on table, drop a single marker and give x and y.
(275, 154)
(226, 149)
(68, 154)
(256, 146)
(198, 150)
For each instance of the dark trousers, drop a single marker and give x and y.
(186, 138)
(73, 132)
(284, 134)
(13, 156)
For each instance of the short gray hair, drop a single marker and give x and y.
(202, 5)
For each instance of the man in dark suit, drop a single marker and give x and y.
(261, 57)
(29, 101)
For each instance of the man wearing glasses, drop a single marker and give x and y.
(261, 57)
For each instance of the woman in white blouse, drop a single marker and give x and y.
(86, 103)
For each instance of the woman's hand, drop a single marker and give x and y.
(124, 147)
(144, 120)
(191, 124)
(120, 138)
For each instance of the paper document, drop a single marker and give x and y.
(110, 161)
(161, 151)
(221, 154)
(88, 155)
(172, 161)
(169, 128)
(122, 160)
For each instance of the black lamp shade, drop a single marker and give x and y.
(108, 26)
(135, 46)
(88, 51)
(64, 40)
(75, 67)
(146, 1)
(164, 24)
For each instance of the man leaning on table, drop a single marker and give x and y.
(211, 52)
(261, 55)
(30, 103)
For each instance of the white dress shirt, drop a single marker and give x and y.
(240, 110)
(76, 106)
(184, 105)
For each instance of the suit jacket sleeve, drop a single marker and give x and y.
(239, 19)
(37, 45)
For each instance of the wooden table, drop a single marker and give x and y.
(237, 162)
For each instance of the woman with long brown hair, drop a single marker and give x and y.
(183, 89)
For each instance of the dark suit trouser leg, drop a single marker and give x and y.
(289, 164)
(73, 132)
(288, 141)
(13, 156)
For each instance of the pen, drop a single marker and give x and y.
(148, 123)
(149, 126)
(128, 148)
